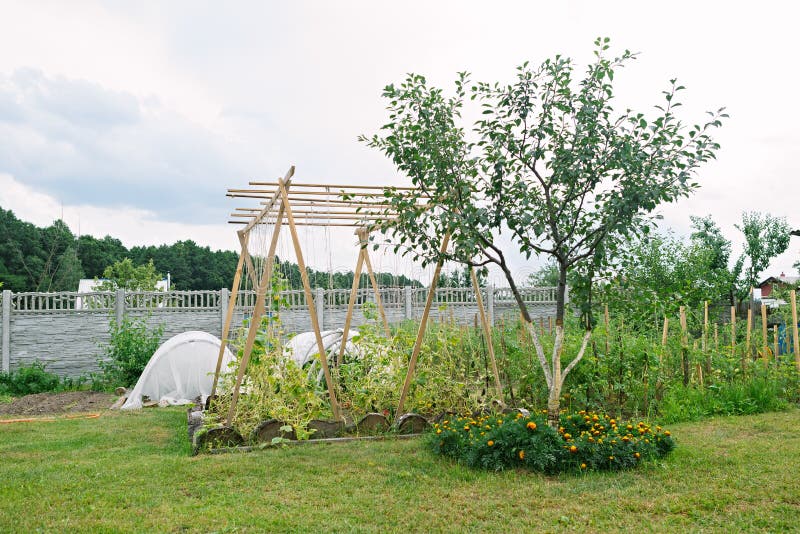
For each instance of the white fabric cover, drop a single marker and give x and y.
(303, 347)
(181, 369)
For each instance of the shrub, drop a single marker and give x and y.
(132, 344)
(29, 379)
(584, 441)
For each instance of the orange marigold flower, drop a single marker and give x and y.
(521, 455)
(567, 436)
(667, 433)
(583, 466)
(531, 425)
(490, 443)
(636, 455)
(573, 449)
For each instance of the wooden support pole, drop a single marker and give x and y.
(765, 340)
(775, 341)
(363, 237)
(351, 304)
(716, 337)
(244, 238)
(312, 312)
(684, 346)
(606, 322)
(487, 332)
(706, 351)
(733, 330)
(665, 331)
(255, 319)
(746, 352)
(423, 323)
(226, 328)
(793, 297)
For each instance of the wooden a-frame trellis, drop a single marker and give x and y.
(359, 207)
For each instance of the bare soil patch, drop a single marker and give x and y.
(58, 403)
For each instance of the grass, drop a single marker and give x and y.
(132, 472)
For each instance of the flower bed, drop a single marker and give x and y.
(585, 441)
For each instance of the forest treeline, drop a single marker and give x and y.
(52, 258)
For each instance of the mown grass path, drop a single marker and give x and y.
(132, 473)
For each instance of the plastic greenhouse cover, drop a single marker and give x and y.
(179, 371)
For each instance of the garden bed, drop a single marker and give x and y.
(58, 403)
(270, 432)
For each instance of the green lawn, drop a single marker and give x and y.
(132, 473)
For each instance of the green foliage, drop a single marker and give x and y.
(29, 379)
(124, 275)
(742, 397)
(132, 344)
(584, 441)
(37, 259)
(765, 237)
(657, 274)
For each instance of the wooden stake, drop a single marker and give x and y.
(733, 330)
(312, 312)
(684, 346)
(749, 332)
(255, 319)
(775, 341)
(793, 296)
(487, 331)
(706, 352)
(764, 330)
(351, 304)
(665, 332)
(226, 327)
(716, 337)
(412, 364)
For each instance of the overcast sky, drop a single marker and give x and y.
(132, 118)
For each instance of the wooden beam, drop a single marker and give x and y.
(423, 324)
(273, 199)
(228, 319)
(255, 319)
(323, 358)
(351, 303)
(340, 186)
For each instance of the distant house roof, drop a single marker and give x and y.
(782, 279)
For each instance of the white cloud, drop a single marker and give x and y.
(151, 110)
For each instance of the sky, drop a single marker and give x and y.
(132, 118)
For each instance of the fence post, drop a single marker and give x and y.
(409, 302)
(319, 300)
(224, 297)
(119, 306)
(490, 302)
(6, 330)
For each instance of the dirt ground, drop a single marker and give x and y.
(58, 403)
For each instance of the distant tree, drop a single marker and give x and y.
(124, 275)
(765, 237)
(97, 254)
(545, 276)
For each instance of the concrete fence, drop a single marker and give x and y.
(67, 331)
